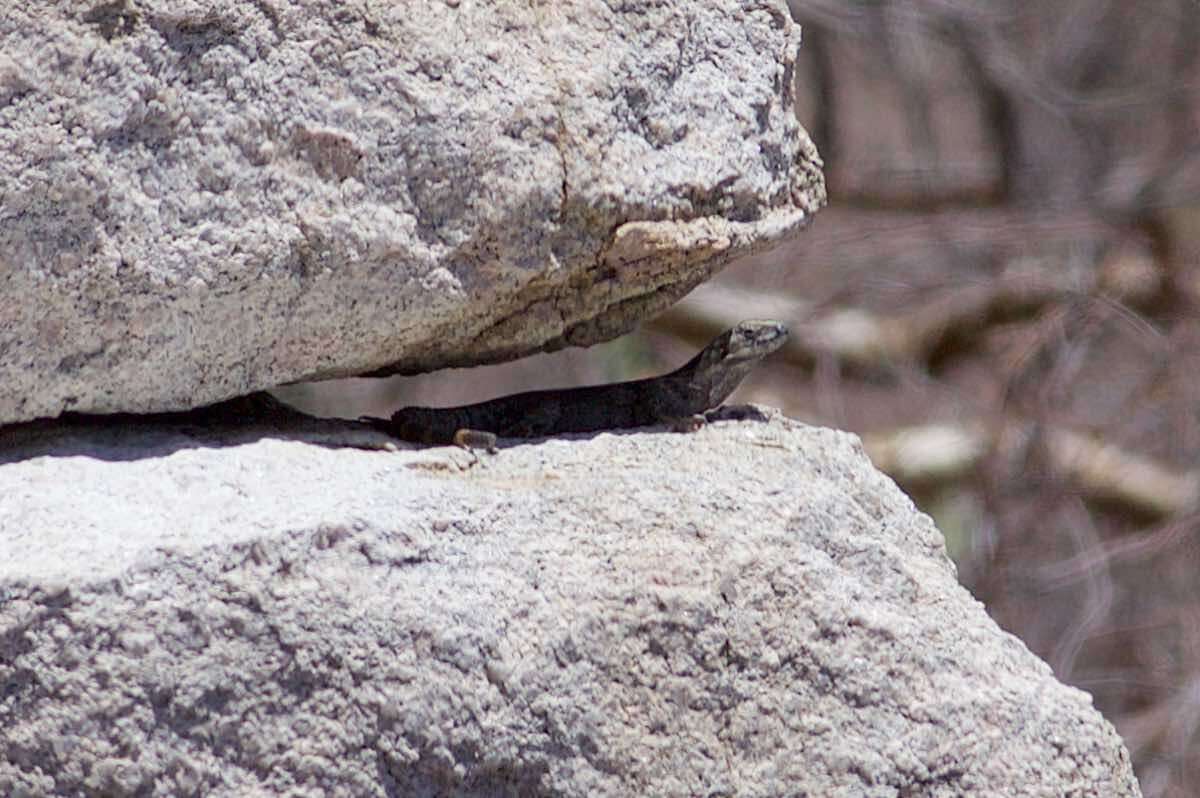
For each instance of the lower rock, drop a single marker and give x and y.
(751, 609)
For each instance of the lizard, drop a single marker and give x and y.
(678, 397)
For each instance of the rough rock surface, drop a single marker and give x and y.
(750, 609)
(201, 200)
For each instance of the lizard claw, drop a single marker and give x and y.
(470, 439)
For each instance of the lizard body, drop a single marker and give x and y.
(703, 383)
(680, 396)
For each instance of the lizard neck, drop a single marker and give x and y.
(710, 377)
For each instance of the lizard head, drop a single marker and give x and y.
(750, 340)
(714, 373)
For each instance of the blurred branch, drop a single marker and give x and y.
(1103, 472)
(1111, 474)
(927, 454)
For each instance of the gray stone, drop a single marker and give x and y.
(751, 609)
(201, 200)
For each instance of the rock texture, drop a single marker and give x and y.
(205, 199)
(747, 610)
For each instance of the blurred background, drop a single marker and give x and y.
(1003, 300)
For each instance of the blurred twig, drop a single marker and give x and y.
(1102, 471)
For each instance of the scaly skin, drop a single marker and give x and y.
(702, 384)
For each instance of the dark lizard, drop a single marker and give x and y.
(679, 397)
(702, 384)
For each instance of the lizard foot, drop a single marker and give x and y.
(688, 423)
(471, 439)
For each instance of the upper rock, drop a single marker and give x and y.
(201, 200)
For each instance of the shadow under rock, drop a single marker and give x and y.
(134, 436)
